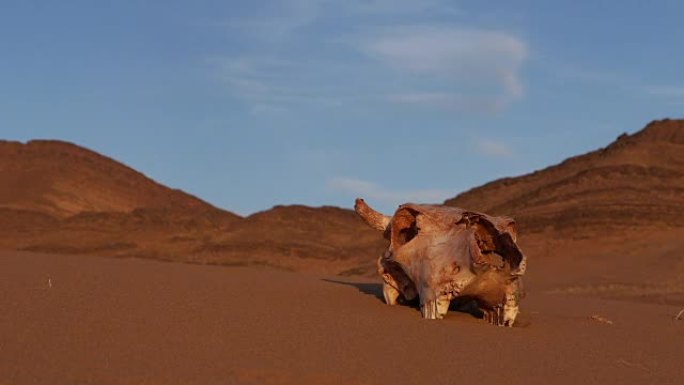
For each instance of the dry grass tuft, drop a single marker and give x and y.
(601, 319)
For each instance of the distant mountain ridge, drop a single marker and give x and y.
(62, 179)
(636, 181)
(58, 197)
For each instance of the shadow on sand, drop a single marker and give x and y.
(462, 305)
(374, 289)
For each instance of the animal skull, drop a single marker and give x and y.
(438, 253)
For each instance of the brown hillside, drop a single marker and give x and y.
(622, 202)
(61, 179)
(59, 197)
(635, 182)
(301, 238)
(609, 223)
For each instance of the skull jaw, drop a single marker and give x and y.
(436, 308)
(502, 311)
(514, 291)
(510, 313)
(505, 314)
(501, 315)
(390, 293)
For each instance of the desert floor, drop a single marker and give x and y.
(90, 320)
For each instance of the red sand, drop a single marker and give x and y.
(90, 320)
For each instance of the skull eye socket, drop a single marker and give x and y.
(490, 239)
(404, 227)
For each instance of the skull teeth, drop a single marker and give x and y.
(429, 310)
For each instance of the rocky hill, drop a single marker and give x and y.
(61, 179)
(611, 207)
(608, 223)
(635, 182)
(58, 197)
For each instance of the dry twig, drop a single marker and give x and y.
(679, 316)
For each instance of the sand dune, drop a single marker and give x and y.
(90, 320)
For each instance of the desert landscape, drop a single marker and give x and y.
(108, 277)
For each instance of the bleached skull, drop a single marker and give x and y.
(438, 253)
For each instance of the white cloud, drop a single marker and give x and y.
(454, 101)
(493, 148)
(437, 65)
(486, 63)
(671, 95)
(373, 191)
(271, 84)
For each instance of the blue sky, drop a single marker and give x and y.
(252, 104)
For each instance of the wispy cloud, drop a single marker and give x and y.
(270, 84)
(672, 95)
(373, 191)
(451, 101)
(493, 148)
(379, 52)
(280, 20)
(449, 51)
(468, 62)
